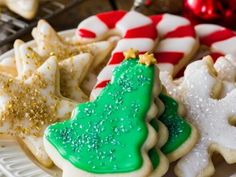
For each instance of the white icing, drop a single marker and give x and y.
(106, 73)
(89, 82)
(26, 5)
(9, 62)
(100, 51)
(73, 72)
(204, 30)
(27, 59)
(225, 68)
(209, 115)
(172, 86)
(44, 28)
(48, 42)
(132, 20)
(166, 67)
(170, 23)
(226, 46)
(95, 93)
(184, 45)
(226, 71)
(141, 44)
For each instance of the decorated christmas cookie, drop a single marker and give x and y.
(178, 42)
(26, 59)
(50, 43)
(218, 39)
(182, 135)
(225, 67)
(28, 106)
(72, 70)
(226, 71)
(174, 32)
(138, 34)
(112, 135)
(199, 91)
(24, 8)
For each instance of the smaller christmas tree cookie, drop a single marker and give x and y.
(112, 135)
(182, 135)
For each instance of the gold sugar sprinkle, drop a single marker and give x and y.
(27, 110)
(32, 55)
(66, 76)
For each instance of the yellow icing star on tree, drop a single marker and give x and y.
(147, 59)
(131, 53)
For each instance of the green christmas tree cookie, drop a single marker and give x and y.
(112, 135)
(182, 135)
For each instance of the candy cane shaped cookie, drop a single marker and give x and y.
(137, 32)
(178, 42)
(220, 40)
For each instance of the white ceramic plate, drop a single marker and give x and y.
(14, 162)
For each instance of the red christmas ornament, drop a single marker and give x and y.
(215, 11)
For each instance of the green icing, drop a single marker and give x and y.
(154, 124)
(154, 156)
(106, 135)
(179, 129)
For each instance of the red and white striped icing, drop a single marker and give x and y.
(137, 32)
(178, 42)
(220, 40)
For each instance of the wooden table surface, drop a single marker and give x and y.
(71, 18)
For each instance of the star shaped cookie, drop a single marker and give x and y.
(29, 106)
(25, 8)
(72, 70)
(208, 92)
(50, 43)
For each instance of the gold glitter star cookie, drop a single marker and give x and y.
(25, 8)
(50, 43)
(72, 70)
(27, 60)
(29, 106)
